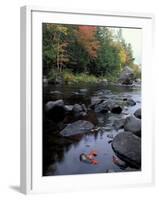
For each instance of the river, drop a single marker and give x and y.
(62, 157)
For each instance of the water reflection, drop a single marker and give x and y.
(61, 154)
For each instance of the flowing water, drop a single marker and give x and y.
(62, 156)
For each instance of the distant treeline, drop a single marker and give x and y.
(98, 51)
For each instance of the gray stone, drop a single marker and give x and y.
(126, 76)
(137, 113)
(84, 90)
(133, 124)
(78, 127)
(68, 108)
(130, 102)
(77, 108)
(119, 124)
(101, 107)
(51, 104)
(55, 110)
(127, 147)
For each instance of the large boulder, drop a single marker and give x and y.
(133, 124)
(76, 128)
(103, 106)
(55, 110)
(126, 76)
(127, 147)
(137, 113)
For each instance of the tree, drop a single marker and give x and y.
(55, 45)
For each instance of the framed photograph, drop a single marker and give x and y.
(86, 100)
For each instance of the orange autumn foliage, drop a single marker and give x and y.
(86, 36)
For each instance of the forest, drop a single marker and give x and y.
(85, 53)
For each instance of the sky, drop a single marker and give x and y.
(134, 37)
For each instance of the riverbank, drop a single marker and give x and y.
(68, 77)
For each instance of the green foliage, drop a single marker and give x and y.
(54, 74)
(84, 53)
(137, 71)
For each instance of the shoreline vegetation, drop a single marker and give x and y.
(76, 53)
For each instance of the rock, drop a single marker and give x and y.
(126, 76)
(133, 124)
(110, 135)
(119, 124)
(84, 90)
(130, 102)
(56, 92)
(84, 107)
(68, 108)
(55, 110)
(94, 101)
(78, 127)
(51, 104)
(137, 113)
(127, 147)
(101, 107)
(114, 107)
(79, 110)
(120, 163)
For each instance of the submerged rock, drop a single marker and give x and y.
(133, 124)
(78, 127)
(137, 113)
(127, 147)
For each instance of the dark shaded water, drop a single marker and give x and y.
(61, 155)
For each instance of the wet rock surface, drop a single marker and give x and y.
(137, 113)
(78, 127)
(119, 124)
(127, 146)
(133, 125)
